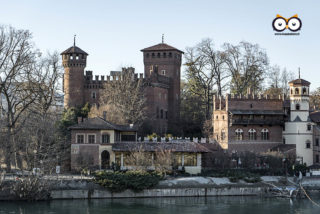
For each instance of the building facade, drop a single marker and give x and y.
(263, 123)
(162, 67)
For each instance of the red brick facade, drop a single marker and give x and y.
(245, 119)
(162, 72)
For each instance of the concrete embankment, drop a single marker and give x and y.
(180, 187)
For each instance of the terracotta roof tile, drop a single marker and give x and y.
(161, 47)
(300, 82)
(98, 123)
(74, 49)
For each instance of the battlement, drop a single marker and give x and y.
(98, 80)
(250, 101)
(250, 97)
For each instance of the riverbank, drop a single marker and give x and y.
(180, 187)
(172, 187)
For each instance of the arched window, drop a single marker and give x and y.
(252, 134)
(223, 134)
(158, 55)
(297, 91)
(264, 134)
(297, 107)
(304, 91)
(239, 134)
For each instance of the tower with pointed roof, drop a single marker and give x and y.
(162, 66)
(298, 130)
(74, 61)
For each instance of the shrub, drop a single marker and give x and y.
(134, 180)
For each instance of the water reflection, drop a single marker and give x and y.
(194, 205)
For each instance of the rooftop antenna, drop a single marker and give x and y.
(162, 38)
(299, 72)
(74, 40)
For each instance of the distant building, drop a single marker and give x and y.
(162, 71)
(262, 123)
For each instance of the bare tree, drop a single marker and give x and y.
(247, 64)
(205, 69)
(124, 98)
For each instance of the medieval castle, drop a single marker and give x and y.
(162, 68)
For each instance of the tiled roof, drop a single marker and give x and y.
(161, 47)
(74, 49)
(99, 123)
(315, 116)
(184, 146)
(300, 82)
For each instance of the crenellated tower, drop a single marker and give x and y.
(74, 61)
(162, 66)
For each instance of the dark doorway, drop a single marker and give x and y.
(105, 160)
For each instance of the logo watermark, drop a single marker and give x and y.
(292, 24)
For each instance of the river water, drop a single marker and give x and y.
(185, 205)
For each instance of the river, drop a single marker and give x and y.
(186, 205)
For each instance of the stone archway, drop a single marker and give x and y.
(105, 159)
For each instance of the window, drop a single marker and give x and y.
(291, 91)
(297, 107)
(308, 144)
(297, 91)
(147, 55)
(93, 95)
(190, 159)
(77, 57)
(170, 55)
(91, 138)
(163, 72)
(71, 57)
(157, 112)
(164, 55)
(223, 134)
(304, 91)
(252, 134)
(317, 158)
(158, 55)
(317, 142)
(265, 134)
(166, 114)
(153, 55)
(251, 105)
(217, 117)
(284, 141)
(80, 138)
(161, 113)
(223, 117)
(239, 134)
(105, 138)
(309, 127)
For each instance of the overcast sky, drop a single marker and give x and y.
(114, 32)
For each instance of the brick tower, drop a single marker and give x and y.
(162, 66)
(74, 61)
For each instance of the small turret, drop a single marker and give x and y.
(74, 61)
